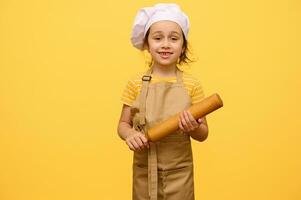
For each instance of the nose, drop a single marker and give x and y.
(165, 43)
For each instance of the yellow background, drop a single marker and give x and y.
(64, 65)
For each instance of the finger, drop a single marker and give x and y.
(130, 145)
(180, 124)
(193, 122)
(139, 141)
(183, 121)
(200, 120)
(147, 145)
(191, 118)
(144, 140)
(136, 146)
(190, 126)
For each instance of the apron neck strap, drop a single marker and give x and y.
(145, 82)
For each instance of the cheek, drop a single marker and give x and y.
(154, 45)
(153, 48)
(178, 49)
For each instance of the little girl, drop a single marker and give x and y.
(162, 169)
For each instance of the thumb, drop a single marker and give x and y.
(200, 120)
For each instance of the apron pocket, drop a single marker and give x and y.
(177, 183)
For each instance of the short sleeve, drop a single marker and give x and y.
(129, 94)
(197, 93)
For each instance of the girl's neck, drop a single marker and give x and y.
(164, 71)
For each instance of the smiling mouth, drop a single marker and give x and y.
(165, 54)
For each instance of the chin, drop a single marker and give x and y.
(166, 63)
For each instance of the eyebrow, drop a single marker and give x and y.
(162, 31)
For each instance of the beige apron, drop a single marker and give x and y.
(165, 170)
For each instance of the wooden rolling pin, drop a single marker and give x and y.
(197, 110)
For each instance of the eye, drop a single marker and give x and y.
(174, 38)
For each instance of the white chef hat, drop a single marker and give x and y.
(149, 15)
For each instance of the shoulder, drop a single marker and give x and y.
(136, 79)
(191, 80)
(194, 87)
(132, 89)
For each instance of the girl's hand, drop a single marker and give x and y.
(136, 141)
(187, 123)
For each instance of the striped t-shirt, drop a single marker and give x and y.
(133, 87)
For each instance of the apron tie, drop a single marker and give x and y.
(152, 172)
(152, 151)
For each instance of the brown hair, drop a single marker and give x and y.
(183, 59)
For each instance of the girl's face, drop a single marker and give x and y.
(165, 43)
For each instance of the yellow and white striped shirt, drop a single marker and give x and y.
(134, 85)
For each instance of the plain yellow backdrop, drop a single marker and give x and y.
(64, 65)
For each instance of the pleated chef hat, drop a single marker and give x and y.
(149, 15)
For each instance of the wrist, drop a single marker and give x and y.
(200, 133)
